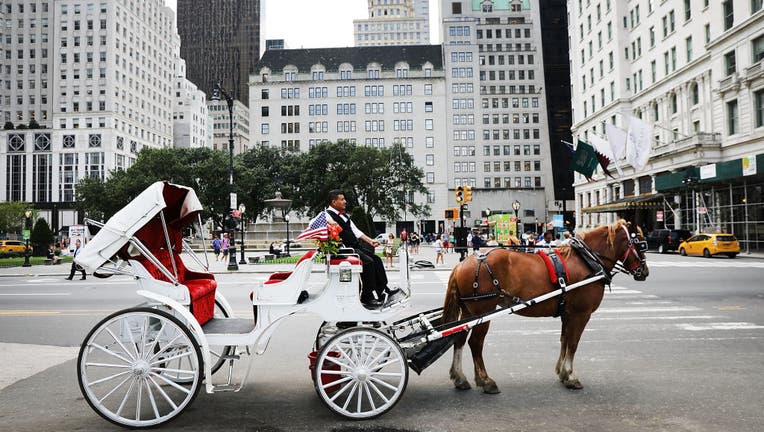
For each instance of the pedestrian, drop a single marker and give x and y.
(565, 237)
(388, 249)
(75, 266)
(477, 241)
(216, 248)
(439, 252)
(547, 241)
(225, 245)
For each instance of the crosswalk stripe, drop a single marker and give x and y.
(720, 326)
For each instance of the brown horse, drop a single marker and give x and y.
(525, 276)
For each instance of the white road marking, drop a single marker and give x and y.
(654, 317)
(34, 294)
(720, 326)
(649, 309)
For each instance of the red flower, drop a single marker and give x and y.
(334, 232)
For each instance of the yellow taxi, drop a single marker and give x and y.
(13, 247)
(709, 245)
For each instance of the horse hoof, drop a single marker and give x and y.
(491, 388)
(573, 384)
(462, 385)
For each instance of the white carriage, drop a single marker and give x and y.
(141, 367)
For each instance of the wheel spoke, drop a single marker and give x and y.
(108, 378)
(114, 389)
(388, 374)
(156, 337)
(169, 359)
(164, 394)
(368, 395)
(350, 396)
(139, 399)
(342, 390)
(336, 382)
(339, 363)
(336, 372)
(144, 336)
(387, 363)
(385, 351)
(176, 371)
(132, 341)
(359, 397)
(107, 365)
(371, 350)
(384, 384)
(172, 383)
(124, 399)
(111, 353)
(376, 389)
(151, 399)
(124, 348)
(166, 347)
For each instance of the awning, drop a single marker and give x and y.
(643, 201)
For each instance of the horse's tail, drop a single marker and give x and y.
(451, 307)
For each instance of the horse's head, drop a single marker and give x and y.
(630, 247)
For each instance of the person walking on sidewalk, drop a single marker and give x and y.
(75, 267)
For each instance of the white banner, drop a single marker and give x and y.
(708, 171)
(638, 143)
(617, 139)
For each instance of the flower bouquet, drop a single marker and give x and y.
(330, 246)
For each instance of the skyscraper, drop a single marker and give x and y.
(220, 41)
(404, 22)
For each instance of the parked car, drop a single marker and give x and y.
(664, 240)
(709, 245)
(13, 247)
(381, 238)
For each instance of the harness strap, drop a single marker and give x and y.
(591, 259)
(498, 292)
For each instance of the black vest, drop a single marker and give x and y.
(348, 238)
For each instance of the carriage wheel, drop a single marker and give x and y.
(360, 373)
(124, 376)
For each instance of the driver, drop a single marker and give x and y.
(373, 277)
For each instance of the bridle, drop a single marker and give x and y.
(635, 247)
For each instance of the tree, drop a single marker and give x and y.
(8, 125)
(12, 216)
(41, 237)
(262, 172)
(33, 124)
(363, 221)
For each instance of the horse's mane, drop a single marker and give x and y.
(611, 230)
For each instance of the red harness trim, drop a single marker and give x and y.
(550, 265)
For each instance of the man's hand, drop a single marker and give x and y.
(374, 243)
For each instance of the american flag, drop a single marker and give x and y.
(316, 229)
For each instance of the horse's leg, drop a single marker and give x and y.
(574, 328)
(476, 346)
(457, 376)
(563, 346)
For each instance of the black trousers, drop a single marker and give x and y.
(373, 277)
(75, 269)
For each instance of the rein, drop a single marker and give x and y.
(634, 246)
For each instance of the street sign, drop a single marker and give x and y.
(25, 234)
(702, 210)
(659, 215)
(233, 200)
(558, 221)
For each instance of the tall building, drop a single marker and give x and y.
(97, 77)
(498, 135)
(372, 96)
(220, 41)
(398, 22)
(221, 126)
(190, 115)
(693, 71)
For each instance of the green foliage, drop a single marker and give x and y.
(41, 237)
(8, 125)
(12, 216)
(33, 124)
(22, 126)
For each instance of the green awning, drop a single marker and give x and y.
(726, 170)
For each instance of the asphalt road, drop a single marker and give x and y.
(682, 351)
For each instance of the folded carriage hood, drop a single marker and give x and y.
(118, 230)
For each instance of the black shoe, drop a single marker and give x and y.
(371, 302)
(83, 278)
(68, 278)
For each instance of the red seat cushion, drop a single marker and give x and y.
(280, 276)
(201, 286)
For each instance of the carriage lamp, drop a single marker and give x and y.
(346, 273)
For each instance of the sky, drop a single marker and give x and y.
(319, 23)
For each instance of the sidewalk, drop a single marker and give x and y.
(426, 252)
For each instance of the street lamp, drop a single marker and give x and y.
(27, 223)
(516, 208)
(217, 91)
(284, 204)
(242, 209)
(286, 219)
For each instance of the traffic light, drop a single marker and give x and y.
(459, 195)
(467, 193)
(449, 214)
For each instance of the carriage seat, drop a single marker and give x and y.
(201, 286)
(285, 287)
(350, 259)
